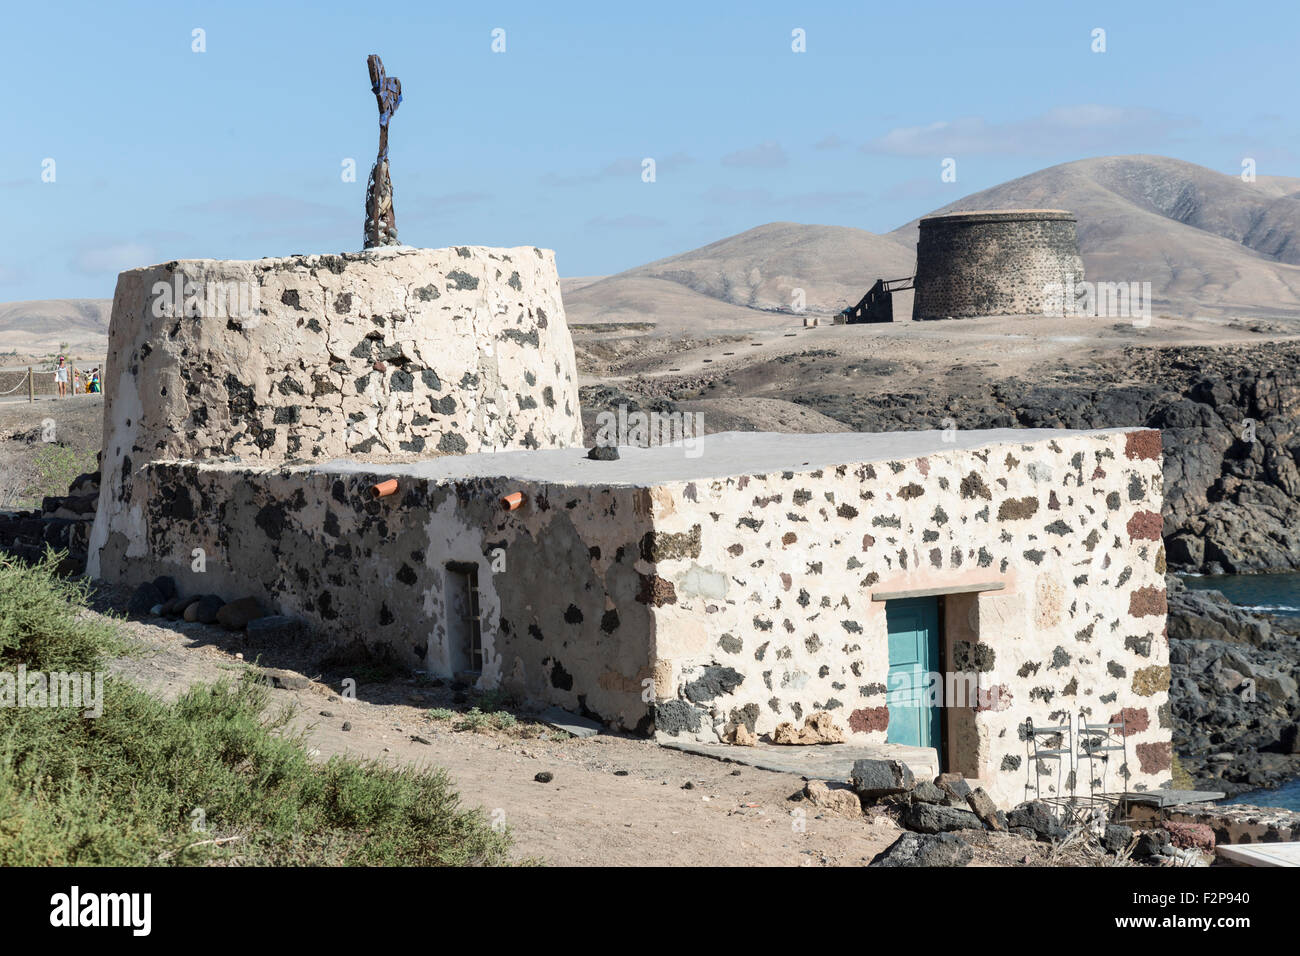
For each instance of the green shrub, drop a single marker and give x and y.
(207, 778)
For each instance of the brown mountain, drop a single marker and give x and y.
(1206, 241)
(39, 327)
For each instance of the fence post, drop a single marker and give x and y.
(31, 385)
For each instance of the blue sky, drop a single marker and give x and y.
(236, 152)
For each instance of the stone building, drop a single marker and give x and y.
(393, 352)
(752, 580)
(995, 262)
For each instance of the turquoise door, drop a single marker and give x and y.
(912, 695)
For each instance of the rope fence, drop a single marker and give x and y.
(41, 382)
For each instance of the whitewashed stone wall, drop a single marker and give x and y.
(688, 607)
(765, 585)
(390, 353)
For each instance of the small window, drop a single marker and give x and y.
(464, 631)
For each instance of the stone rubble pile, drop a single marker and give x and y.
(941, 818)
(63, 522)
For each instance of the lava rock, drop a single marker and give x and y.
(926, 792)
(603, 453)
(1037, 817)
(236, 615)
(873, 779)
(544, 776)
(166, 586)
(143, 599)
(936, 818)
(1152, 843)
(924, 849)
(955, 788)
(982, 806)
(205, 609)
(287, 680)
(275, 629)
(1116, 837)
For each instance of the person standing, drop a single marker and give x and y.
(61, 377)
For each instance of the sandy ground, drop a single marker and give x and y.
(614, 800)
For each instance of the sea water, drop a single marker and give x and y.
(1272, 594)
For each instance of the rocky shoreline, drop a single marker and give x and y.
(1233, 689)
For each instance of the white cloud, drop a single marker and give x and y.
(1087, 127)
(110, 258)
(627, 167)
(767, 155)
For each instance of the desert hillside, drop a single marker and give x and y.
(1206, 241)
(36, 329)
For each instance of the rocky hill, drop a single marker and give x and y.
(39, 327)
(1205, 240)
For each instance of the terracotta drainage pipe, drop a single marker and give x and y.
(513, 501)
(384, 488)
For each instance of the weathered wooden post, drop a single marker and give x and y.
(381, 224)
(31, 385)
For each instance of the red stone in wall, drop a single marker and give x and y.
(1143, 444)
(869, 719)
(1145, 525)
(1147, 601)
(1155, 758)
(1136, 720)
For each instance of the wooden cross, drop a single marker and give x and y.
(381, 224)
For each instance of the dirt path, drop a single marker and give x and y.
(613, 800)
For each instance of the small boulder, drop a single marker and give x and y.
(603, 453)
(544, 776)
(926, 792)
(956, 788)
(818, 728)
(143, 599)
(742, 737)
(205, 609)
(288, 680)
(275, 629)
(922, 849)
(236, 615)
(180, 604)
(936, 818)
(1036, 816)
(982, 806)
(1116, 837)
(873, 779)
(836, 800)
(1152, 843)
(166, 586)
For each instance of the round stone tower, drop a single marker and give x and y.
(995, 262)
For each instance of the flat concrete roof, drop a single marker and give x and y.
(1265, 854)
(719, 455)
